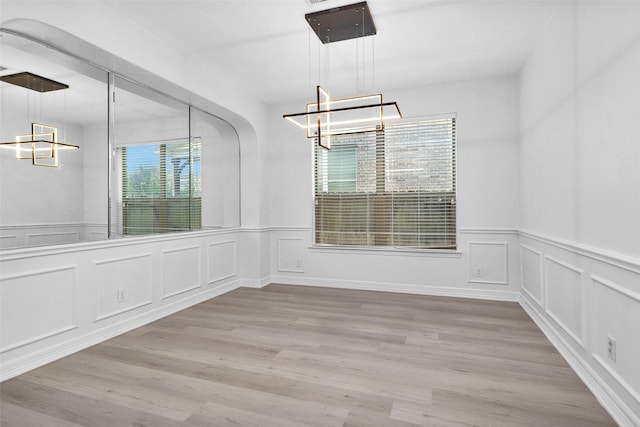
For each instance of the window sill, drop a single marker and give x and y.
(439, 253)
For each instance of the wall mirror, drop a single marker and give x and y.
(145, 163)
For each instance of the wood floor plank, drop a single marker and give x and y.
(290, 355)
(75, 408)
(101, 384)
(269, 381)
(213, 414)
(182, 392)
(12, 414)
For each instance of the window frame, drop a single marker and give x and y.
(161, 203)
(393, 250)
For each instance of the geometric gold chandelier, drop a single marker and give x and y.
(326, 117)
(41, 145)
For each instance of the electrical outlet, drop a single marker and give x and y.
(122, 295)
(299, 263)
(479, 271)
(611, 348)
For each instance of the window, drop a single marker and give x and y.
(395, 187)
(160, 187)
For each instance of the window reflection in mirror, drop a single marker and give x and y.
(155, 163)
(175, 168)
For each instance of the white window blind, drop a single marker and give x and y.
(395, 187)
(160, 187)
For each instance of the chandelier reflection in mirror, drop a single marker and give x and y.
(327, 117)
(41, 145)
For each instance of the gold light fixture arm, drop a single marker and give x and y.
(328, 117)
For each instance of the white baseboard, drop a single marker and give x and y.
(400, 288)
(31, 361)
(609, 400)
(256, 283)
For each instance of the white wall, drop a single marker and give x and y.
(580, 105)
(487, 124)
(58, 300)
(579, 201)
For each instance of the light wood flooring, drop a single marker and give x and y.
(296, 356)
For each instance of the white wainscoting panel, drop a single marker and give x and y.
(181, 270)
(222, 260)
(36, 305)
(290, 251)
(563, 296)
(488, 263)
(122, 284)
(9, 241)
(617, 315)
(42, 239)
(531, 271)
(97, 235)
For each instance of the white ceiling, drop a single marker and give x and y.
(268, 44)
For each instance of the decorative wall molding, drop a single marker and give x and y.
(52, 238)
(24, 253)
(222, 260)
(126, 309)
(628, 388)
(97, 335)
(608, 257)
(574, 331)
(281, 228)
(131, 274)
(8, 241)
(402, 252)
(181, 270)
(486, 230)
(290, 254)
(257, 283)
(42, 226)
(539, 271)
(614, 286)
(43, 320)
(611, 388)
(564, 264)
(445, 291)
(629, 330)
(500, 272)
(36, 235)
(607, 397)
